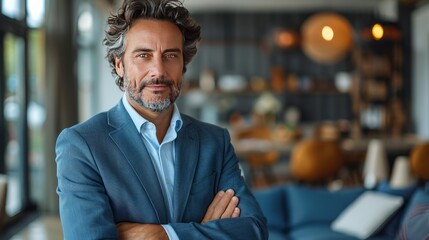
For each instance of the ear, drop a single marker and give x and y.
(119, 67)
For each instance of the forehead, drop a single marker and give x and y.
(148, 32)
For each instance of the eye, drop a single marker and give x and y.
(171, 55)
(143, 55)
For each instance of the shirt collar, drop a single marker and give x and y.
(138, 120)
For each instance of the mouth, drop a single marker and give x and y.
(157, 85)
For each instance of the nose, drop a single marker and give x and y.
(157, 69)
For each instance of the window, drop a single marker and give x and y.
(13, 9)
(14, 107)
(22, 112)
(36, 114)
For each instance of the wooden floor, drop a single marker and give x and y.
(43, 228)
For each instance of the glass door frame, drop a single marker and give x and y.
(19, 29)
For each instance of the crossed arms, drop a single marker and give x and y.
(224, 205)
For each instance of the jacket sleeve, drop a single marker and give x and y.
(250, 225)
(84, 206)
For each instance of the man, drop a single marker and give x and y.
(142, 170)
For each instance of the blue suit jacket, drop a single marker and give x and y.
(106, 176)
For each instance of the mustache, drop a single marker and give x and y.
(162, 81)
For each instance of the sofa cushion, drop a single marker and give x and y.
(320, 231)
(364, 216)
(273, 204)
(391, 227)
(277, 235)
(420, 196)
(307, 205)
(415, 224)
(404, 192)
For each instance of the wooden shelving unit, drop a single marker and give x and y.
(377, 95)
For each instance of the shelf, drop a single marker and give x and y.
(379, 79)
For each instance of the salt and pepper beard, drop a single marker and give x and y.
(157, 104)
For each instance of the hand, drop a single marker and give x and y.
(130, 231)
(224, 205)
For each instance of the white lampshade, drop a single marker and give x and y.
(401, 174)
(376, 167)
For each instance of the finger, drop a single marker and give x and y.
(236, 212)
(222, 205)
(215, 202)
(210, 209)
(230, 208)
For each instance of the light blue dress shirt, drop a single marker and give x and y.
(162, 154)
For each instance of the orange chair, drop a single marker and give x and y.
(419, 160)
(316, 161)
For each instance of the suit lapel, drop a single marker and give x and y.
(131, 145)
(186, 161)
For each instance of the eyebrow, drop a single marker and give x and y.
(173, 50)
(177, 50)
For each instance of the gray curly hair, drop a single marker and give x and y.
(171, 10)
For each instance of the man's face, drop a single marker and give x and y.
(152, 64)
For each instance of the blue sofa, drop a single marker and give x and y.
(299, 212)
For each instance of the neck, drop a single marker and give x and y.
(161, 120)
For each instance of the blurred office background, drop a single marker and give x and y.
(261, 64)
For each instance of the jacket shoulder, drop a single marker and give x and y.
(195, 123)
(95, 123)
